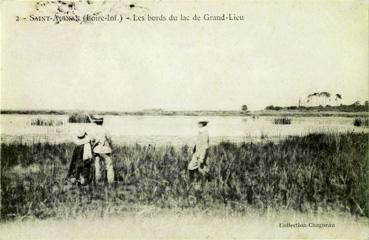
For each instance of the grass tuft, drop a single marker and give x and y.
(283, 121)
(361, 122)
(46, 122)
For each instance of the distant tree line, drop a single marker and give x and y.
(354, 107)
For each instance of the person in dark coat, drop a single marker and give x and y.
(80, 166)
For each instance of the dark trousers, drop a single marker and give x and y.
(194, 175)
(79, 167)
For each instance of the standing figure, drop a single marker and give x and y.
(80, 166)
(198, 165)
(102, 153)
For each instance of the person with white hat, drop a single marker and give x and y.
(80, 165)
(198, 164)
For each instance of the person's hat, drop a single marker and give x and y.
(81, 138)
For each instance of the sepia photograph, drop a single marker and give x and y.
(198, 119)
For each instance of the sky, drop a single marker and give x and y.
(280, 53)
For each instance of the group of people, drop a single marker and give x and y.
(92, 155)
(93, 150)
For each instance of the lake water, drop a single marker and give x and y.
(171, 129)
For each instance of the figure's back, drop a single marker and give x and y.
(202, 142)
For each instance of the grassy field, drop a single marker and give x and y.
(310, 174)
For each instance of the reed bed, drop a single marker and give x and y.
(283, 121)
(79, 118)
(314, 173)
(361, 122)
(46, 122)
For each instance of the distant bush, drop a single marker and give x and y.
(244, 108)
(271, 107)
(361, 122)
(46, 122)
(284, 121)
(79, 118)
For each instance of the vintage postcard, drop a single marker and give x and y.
(184, 119)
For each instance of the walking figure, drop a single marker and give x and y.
(198, 166)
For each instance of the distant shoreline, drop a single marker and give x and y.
(130, 113)
(310, 113)
(290, 113)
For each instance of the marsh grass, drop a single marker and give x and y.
(79, 118)
(283, 121)
(46, 122)
(314, 173)
(361, 122)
